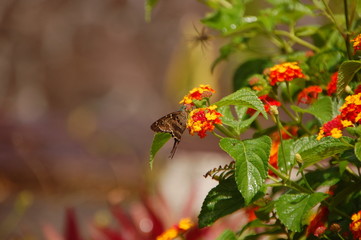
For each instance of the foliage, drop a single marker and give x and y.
(302, 173)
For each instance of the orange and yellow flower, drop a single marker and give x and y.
(202, 120)
(308, 95)
(285, 72)
(177, 230)
(355, 225)
(332, 85)
(203, 91)
(356, 43)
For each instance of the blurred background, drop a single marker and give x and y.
(81, 81)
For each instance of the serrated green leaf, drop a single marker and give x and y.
(313, 150)
(358, 150)
(158, 142)
(293, 208)
(243, 97)
(227, 235)
(251, 158)
(347, 71)
(321, 109)
(220, 201)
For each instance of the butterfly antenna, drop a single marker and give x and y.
(176, 142)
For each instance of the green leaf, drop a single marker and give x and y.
(322, 177)
(237, 122)
(227, 235)
(358, 150)
(285, 158)
(251, 158)
(149, 5)
(347, 71)
(321, 109)
(293, 208)
(326, 60)
(220, 201)
(243, 97)
(226, 19)
(313, 150)
(158, 142)
(246, 70)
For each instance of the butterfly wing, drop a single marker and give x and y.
(174, 123)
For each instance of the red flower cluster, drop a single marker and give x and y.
(309, 95)
(285, 72)
(268, 102)
(350, 114)
(202, 120)
(332, 128)
(355, 225)
(332, 85)
(351, 109)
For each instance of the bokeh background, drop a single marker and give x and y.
(81, 81)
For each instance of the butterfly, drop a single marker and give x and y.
(174, 123)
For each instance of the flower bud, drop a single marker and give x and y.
(348, 89)
(335, 227)
(298, 158)
(274, 110)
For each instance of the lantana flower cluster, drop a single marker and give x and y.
(201, 119)
(350, 115)
(285, 72)
(355, 225)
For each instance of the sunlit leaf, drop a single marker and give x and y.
(251, 158)
(243, 97)
(312, 150)
(293, 208)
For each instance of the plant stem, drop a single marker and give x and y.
(297, 40)
(330, 15)
(279, 126)
(287, 182)
(225, 131)
(347, 36)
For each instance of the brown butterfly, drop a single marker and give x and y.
(174, 123)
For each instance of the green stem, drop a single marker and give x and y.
(287, 182)
(279, 126)
(225, 131)
(330, 15)
(347, 36)
(297, 40)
